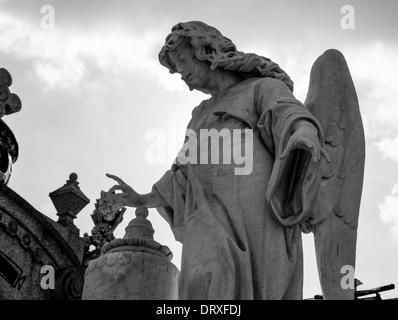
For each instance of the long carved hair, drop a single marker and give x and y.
(210, 45)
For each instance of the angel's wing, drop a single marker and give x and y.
(333, 100)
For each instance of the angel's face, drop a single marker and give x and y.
(194, 72)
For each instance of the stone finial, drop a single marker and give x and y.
(9, 102)
(140, 227)
(8, 152)
(139, 236)
(69, 200)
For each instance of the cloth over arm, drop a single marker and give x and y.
(294, 182)
(172, 188)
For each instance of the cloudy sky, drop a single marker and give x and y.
(95, 97)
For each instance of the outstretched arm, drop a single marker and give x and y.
(129, 197)
(167, 196)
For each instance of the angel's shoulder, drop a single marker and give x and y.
(271, 87)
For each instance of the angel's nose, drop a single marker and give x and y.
(181, 71)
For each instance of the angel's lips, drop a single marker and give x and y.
(187, 78)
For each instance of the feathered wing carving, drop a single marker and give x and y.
(333, 100)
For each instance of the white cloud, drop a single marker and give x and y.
(374, 69)
(389, 211)
(389, 148)
(64, 73)
(60, 59)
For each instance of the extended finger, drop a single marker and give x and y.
(318, 152)
(314, 153)
(117, 179)
(114, 188)
(326, 155)
(310, 147)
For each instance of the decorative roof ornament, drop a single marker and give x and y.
(69, 200)
(9, 103)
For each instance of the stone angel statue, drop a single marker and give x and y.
(241, 233)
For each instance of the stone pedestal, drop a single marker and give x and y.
(133, 268)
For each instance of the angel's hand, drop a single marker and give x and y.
(306, 138)
(127, 197)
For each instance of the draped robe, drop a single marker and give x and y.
(240, 233)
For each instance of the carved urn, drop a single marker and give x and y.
(133, 268)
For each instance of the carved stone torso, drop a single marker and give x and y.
(221, 217)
